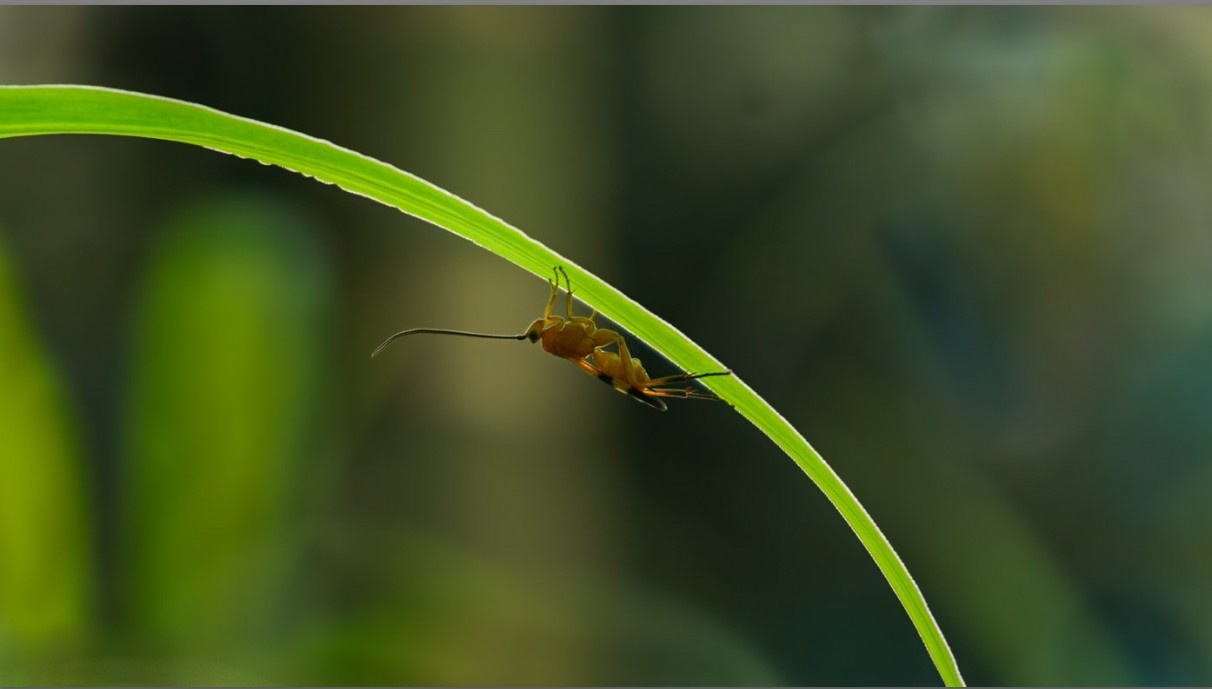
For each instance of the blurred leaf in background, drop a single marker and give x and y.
(47, 562)
(222, 426)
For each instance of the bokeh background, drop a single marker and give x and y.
(966, 251)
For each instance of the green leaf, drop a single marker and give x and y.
(46, 563)
(216, 427)
(37, 110)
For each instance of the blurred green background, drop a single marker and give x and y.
(966, 251)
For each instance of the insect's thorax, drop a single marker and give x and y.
(568, 340)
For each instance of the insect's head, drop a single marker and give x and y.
(534, 331)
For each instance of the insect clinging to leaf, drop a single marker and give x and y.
(578, 340)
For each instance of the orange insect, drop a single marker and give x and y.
(580, 341)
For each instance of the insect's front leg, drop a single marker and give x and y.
(568, 283)
(555, 292)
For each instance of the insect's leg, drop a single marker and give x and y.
(629, 365)
(683, 377)
(555, 292)
(658, 387)
(684, 393)
(603, 337)
(568, 304)
(567, 299)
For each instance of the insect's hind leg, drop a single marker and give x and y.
(659, 387)
(604, 338)
(683, 377)
(684, 393)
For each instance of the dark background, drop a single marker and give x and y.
(965, 251)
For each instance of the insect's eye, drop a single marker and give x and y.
(533, 336)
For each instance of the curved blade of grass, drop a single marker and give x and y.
(39, 110)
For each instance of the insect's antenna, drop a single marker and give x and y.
(441, 331)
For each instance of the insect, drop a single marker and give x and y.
(579, 340)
